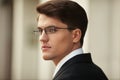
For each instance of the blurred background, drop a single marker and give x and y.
(20, 57)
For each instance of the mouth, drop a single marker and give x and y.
(45, 48)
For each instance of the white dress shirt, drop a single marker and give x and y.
(66, 58)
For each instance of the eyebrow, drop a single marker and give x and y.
(39, 28)
(46, 26)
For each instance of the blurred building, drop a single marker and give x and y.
(5, 38)
(20, 57)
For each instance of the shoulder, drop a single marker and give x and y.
(80, 67)
(83, 69)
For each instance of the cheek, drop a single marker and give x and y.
(61, 43)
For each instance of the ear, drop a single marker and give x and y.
(76, 35)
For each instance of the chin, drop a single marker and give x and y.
(46, 57)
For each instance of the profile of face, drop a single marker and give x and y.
(56, 41)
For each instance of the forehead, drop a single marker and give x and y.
(44, 21)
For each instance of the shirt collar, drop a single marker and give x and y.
(66, 58)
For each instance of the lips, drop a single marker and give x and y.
(45, 48)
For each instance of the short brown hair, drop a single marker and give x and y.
(69, 12)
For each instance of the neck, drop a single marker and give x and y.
(57, 60)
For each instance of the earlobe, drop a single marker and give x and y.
(76, 35)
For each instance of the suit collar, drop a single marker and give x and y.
(82, 58)
(66, 58)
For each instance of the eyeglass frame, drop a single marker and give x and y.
(51, 29)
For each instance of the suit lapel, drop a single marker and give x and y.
(82, 58)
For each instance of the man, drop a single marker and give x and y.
(62, 25)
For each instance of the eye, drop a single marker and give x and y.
(40, 30)
(51, 29)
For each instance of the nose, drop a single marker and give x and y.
(43, 37)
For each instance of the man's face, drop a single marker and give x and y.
(54, 46)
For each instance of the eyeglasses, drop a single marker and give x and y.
(50, 30)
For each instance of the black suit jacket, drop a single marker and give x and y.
(80, 67)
